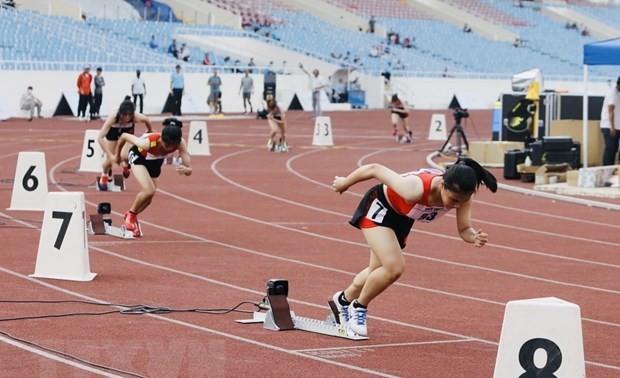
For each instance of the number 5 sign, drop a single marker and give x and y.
(541, 338)
(30, 184)
(92, 153)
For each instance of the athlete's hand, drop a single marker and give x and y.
(183, 170)
(480, 238)
(339, 185)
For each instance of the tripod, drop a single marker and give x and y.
(460, 135)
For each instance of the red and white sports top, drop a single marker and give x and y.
(156, 149)
(420, 211)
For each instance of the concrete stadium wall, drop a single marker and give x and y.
(427, 93)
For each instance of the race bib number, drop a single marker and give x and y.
(426, 214)
(376, 212)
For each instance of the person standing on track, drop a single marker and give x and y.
(247, 89)
(318, 85)
(122, 121)
(146, 156)
(386, 215)
(84, 81)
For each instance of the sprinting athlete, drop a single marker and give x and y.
(386, 215)
(146, 156)
(398, 115)
(276, 118)
(123, 120)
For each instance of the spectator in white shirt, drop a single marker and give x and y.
(29, 102)
(138, 90)
(318, 85)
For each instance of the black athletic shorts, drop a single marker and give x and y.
(152, 165)
(114, 133)
(375, 208)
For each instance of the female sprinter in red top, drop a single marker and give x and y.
(386, 215)
(146, 157)
(119, 122)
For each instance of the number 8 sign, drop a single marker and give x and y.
(30, 184)
(541, 338)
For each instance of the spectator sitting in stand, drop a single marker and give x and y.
(285, 70)
(206, 61)
(153, 43)
(251, 64)
(268, 69)
(340, 91)
(172, 49)
(184, 54)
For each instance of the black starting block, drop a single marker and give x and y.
(101, 224)
(116, 185)
(279, 317)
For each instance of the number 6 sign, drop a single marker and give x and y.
(30, 184)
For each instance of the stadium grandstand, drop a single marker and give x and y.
(461, 40)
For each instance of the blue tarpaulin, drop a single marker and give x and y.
(603, 53)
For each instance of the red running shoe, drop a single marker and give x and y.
(126, 169)
(131, 221)
(102, 183)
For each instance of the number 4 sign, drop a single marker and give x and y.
(30, 184)
(198, 139)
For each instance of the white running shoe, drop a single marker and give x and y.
(357, 319)
(343, 311)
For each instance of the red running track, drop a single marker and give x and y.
(246, 215)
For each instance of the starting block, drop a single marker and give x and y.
(97, 225)
(116, 185)
(280, 318)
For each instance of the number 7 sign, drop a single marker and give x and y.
(63, 245)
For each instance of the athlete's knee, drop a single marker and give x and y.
(149, 193)
(394, 271)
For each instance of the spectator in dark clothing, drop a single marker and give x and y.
(99, 84)
(177, 88)
(172, 49)
(153, 43)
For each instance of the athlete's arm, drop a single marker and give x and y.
(410, 187)
(185, 166)
(143, 143)
(104, 131)
(466, 230)
(139, 117)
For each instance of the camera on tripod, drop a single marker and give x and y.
(459, 114)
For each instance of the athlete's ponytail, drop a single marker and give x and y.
(466, 175)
